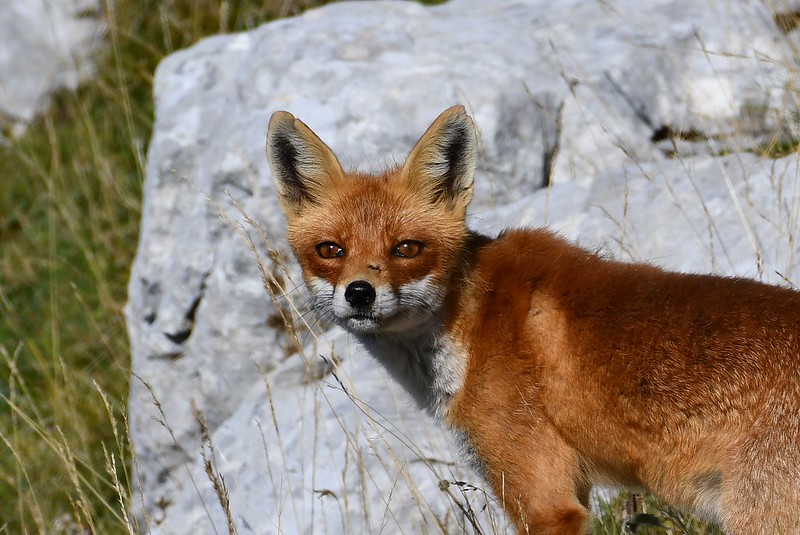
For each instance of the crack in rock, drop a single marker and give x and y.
(182, 335)
(551, 151)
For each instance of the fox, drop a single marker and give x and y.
(558, 368)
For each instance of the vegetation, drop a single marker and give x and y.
(69, 212)
(632, 513)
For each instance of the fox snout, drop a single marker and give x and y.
(359, 294)
(361, 306)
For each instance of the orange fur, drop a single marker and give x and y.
(562, 369)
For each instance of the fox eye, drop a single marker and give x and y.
(408, 249)
(328, 249)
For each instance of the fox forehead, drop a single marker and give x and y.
(369, 216)
(370, 213)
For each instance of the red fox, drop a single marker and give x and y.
(559, 368)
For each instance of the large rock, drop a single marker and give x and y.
(46, 45)
(591, 99)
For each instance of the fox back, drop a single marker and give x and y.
(558, 368)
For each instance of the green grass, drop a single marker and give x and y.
(650, 517)
(69, 213)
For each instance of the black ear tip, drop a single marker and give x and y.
(456, 117)
(281, 116)
(279, 121)
(454, 113)
(279, 137)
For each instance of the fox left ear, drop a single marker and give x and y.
(442, 163)
(303, 167)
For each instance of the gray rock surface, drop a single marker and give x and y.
(45, 45)
(576, 96)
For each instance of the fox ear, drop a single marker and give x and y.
(302, 165)
(442, 163)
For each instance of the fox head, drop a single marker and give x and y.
(378, 252)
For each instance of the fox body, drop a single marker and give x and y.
(559, 368)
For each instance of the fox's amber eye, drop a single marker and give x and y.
(328, 249)
(408, 249)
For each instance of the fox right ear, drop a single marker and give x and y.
(302, 165)
(441, 165)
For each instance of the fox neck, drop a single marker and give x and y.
(425, 359)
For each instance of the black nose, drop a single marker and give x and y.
(359, 294)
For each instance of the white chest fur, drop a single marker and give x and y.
(430, 366)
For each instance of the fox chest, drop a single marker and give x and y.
(430, 368)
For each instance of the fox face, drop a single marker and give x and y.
(376, 271)
(377, 252)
